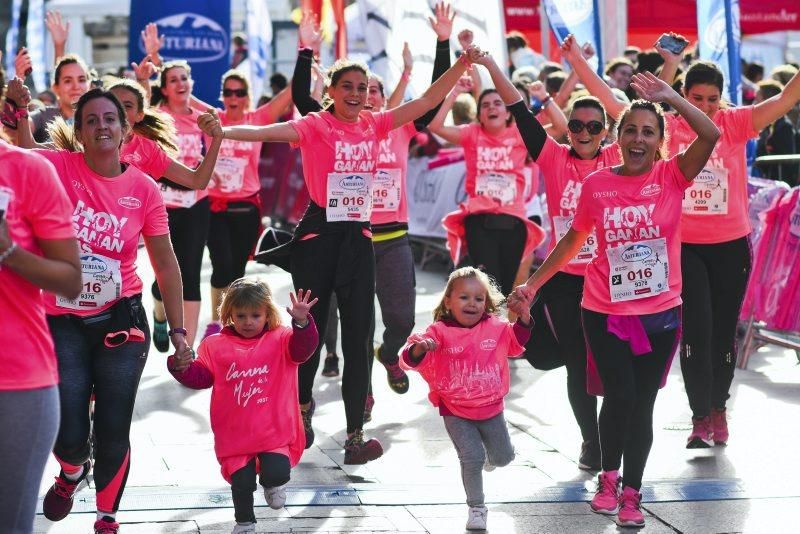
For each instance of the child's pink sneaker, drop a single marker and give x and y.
(719, 422)
(630, 512)
(606, 500)
(702, 436)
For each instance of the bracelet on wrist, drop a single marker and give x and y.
(7, 252)
(465, 60)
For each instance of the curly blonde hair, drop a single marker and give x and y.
(494, 298)
(248, 294)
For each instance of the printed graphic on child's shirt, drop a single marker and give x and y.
(248, 384)
(468, 376)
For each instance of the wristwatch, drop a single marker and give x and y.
(177, 331)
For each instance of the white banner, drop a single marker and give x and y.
(432, 194)
(259, 38)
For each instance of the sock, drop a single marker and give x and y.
(72, 477)
(106, 515)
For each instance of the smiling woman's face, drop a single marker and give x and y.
(492, 112)
(585, 144)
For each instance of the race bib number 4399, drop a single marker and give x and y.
(638, 270)
(708, 194)
(349, 197)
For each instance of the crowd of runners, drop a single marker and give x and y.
(645, 177)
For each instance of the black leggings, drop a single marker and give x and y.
(274, 472)
(232, 234)
(496, 251)
(630, 385)
(562, 297)
(315, 265)
(86, 365)
(714, 283)
(188, 230)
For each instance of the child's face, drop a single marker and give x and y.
(467, 301)
(249, 322)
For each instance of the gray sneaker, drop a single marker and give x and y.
(476, 520)
(276, 497)
(244, 528)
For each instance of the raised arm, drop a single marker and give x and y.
(281, 132)
(144, 71)
(59, 32)
(443, 27)
(301, 83)
(400, 89)
(558, 121)
(451, 134)
(671, 61)
(277, 106)
(594, 84)
(562, 97)
(198, 178)
(19, 95)
(692, 160)
(771, 109)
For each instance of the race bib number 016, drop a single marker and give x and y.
(229, 174)
(638, 270)
(500, 187)
(588, 250)
(708, 194)
(349, 197)
(386, 190)
(177, 198)
(102, 283)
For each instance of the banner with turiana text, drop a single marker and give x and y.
(720, 39)
(195, 30)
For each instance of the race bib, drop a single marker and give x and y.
(386, 190)
(588, 250)
(177, 198)
(349, 197)
(638, 270)
(229, 174)
(102, 283)
(500, 187)
(708, 194)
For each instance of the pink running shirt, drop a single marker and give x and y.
(332, 147)
(191, 146)
(637, 269)
(146, 155)
(389, 198)
(236, 172)
(109, 215)
(563, 179)
(36, 207)
(715, 206)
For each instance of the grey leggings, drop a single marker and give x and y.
(474, 441)
(28, 427)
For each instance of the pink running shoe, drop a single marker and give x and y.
(107, 525)
(702, 436)
(211, 329)
(719, 423)
(606, 500)
(630, 513)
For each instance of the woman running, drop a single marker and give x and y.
(632, 290)
(332, 246)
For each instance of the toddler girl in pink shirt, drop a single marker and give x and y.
(463, 356)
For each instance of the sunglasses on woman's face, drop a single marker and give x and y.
(241, 93)
(593, 127)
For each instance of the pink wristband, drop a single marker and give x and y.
(406, 76)
(465, 60)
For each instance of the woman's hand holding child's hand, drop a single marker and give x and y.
(180, 361)
(521, 308)
(300, 306)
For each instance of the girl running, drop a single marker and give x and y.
(332, 246)
(565, 168)
(632, 290)
(251, 367)
(463, 356)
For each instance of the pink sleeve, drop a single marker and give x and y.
(197, 376)
(156, 162)
(410, 130)
(738, 124)
(674, 175)
(583, 218)
(469, 135)
(57, 158)
(50, 215)
(522, 333)
(305, 128)
(516, 333)
(155, 220)
(406, 361)
(303, 341)
(262, 116)
(384, 122)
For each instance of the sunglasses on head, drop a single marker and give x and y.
(593, 127)
(241, 93)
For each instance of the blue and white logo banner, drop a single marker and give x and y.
(720, 39)
(580, 18)
(12, 38)
(259, 38)
(195, 30)
(36, 42)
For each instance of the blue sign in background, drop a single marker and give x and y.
(580, 18)
(720, 38)
(195, 30)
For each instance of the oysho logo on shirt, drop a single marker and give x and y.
(130, 202)
(488, 344)
(650, 190)
(604, 194)
(453, 350)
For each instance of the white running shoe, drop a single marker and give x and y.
(476, 520)
(276, 497)
(244, 528)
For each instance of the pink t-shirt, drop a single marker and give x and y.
(191, 147)
(331, 147)
(236, 171)
(563, 179)
(109, 215)
(637, 269)
(715, 206)
(145, 154)
(389, 199)
(254, 397)
(468, 371)
(495, 164)
(36, 207)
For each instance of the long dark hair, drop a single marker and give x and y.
(156, 126)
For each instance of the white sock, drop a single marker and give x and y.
(74, 476)
(103, 515)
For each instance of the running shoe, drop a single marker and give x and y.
(589, 459)
(107, 525)
(702, 436)
(357, 451)
(368, 408)
(58, 500)
(331, 367)
(160, 335)
(719, 425)
(476, 520)
(307, 415)
(244, 528)
(397, 378)
(211, 329)
(276, 497)
(630, 512)
(606, 500)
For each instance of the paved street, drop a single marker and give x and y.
(175, 486)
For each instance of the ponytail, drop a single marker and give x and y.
(63, 135)
(160, 128)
